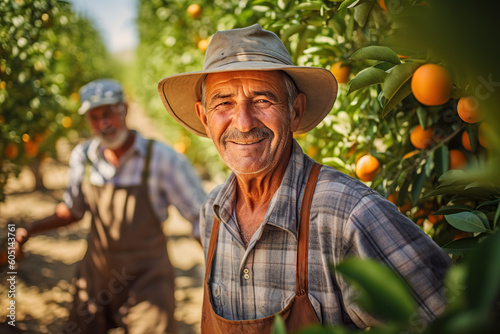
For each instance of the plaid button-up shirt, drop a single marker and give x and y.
(347, 219)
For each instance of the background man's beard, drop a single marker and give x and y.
(118, 140)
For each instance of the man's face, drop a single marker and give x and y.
(247, 118)
(108, 123)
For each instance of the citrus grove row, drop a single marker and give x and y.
(47, 53)
(414, 118)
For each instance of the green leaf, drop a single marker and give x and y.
(497, 216)
(442, 161)
(483, 217)
(348, 4)
(384, 66)
(400, 95)
(367, 77)
(429, 165)
(484, 274)
(375, 52)
(461, 246)
(422, 117)
(451, 176)
(416, 188)
(361, 13)
(312, 5)
(466, 221)
(278, 325)
(381, 291)
(292, 30)
(450, 209)
(399, 75)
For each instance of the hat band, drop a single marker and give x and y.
(243, 57)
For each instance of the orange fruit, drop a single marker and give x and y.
(420, 215)
(458, 160)
(466, 141)
(434, 218)
(31, 148)
(194, 10)
(483, 128)
(367, 167)
(468, 109)
(410, 154)
(312, 151)
(461, 235)
(405, 207)
(421, 138)
(66, 121)
(10, 151)
(203, 44)
(392, 198)
(431, 85)
(341, 72)
(351, 151)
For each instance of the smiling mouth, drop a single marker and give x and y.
(255, 141)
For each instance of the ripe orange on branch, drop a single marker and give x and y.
(466, 141)
(341, 72)
(421, 138)
(468, 109)
(367, 167)
(458, 160)
(194, 10)
(11, 151)
(431, 85)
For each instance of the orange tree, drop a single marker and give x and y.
(47, 53)
(401, 105)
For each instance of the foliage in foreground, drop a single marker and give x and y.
(471, 289)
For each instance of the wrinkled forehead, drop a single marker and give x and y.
(246, 80)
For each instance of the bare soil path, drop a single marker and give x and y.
(44, 276)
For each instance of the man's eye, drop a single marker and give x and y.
(263, 102)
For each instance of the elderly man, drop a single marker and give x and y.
(127, 183)
(272, 229)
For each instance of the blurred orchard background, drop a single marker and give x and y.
(416, 116)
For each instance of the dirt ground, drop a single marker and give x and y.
(43, 280)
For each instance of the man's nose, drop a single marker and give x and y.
(245, 117)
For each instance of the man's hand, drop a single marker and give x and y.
(22, 236)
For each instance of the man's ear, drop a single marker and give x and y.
(299, 105)
(200, 112)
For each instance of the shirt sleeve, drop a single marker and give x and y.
(73, 196)
(376, 229)
(183, 189)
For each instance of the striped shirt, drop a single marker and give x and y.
(172, 179)
(347, 219)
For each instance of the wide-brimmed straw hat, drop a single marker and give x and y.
(254, 49)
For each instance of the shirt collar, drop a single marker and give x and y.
(284, 209)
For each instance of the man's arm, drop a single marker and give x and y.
(377, 230)
(61, 217)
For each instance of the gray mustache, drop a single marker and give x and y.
(254, 134)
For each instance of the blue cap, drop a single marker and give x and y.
(98, 93)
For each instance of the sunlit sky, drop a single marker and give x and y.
(115, 19)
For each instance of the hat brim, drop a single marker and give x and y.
(180, 92)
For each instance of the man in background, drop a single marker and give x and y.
(127, 183)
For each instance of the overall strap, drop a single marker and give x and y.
(303, 242)
(211, 247)
(147, 162)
